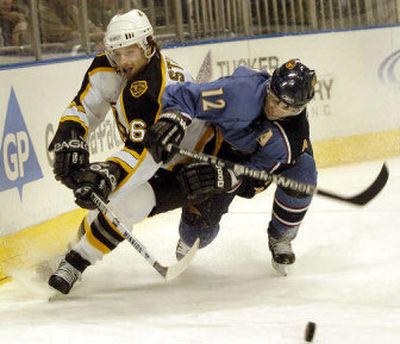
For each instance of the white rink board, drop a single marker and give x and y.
(351, 99)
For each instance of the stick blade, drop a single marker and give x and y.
(175, 270)
(365, 196)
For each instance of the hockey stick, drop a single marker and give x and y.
(168, 272)
(240, 170)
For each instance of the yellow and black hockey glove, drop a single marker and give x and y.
(99, 177)
(170, 128)
(71, 152)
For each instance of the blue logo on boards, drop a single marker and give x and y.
(18, 164)
(389, 70)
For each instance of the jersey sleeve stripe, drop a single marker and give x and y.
(127, 158)
(120, 162)
(133, 170)
(74, 105)
(163, 84)
(75, 112)
(275, 167)
(122, 105)
(132, 152)
(129, 163)
(101, 69)
(78, 119)
(286, 141)
(85, 92)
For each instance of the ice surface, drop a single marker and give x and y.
(346, 279)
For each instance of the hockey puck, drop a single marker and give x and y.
(310, 331)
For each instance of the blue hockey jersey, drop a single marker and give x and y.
(235, 104)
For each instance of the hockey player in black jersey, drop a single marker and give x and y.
(129, 77)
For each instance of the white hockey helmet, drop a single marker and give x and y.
(129, 28)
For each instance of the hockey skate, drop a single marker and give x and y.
(68, 272)
(45, 268)
(282, 255)
(181, 249)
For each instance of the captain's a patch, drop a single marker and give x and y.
(138, 88)
(264, 137)
(305, 145)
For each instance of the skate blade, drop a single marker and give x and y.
(281, 269)
(55, 295)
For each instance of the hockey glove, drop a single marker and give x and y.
(202, 178)
(99, 177)
(170, 128)
(71, 152)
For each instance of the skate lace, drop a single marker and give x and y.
(67, 272)
(281, 247)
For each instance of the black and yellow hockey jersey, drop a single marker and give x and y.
(136, 105)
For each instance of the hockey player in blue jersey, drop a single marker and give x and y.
(263, 122)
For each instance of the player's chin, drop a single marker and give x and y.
(129, 72)
(272, 117)
(278, 116)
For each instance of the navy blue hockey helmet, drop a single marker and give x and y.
(294, 83)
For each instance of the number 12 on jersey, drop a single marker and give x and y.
(218, 103)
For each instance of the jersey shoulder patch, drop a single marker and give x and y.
(265, 137)
(138, 88)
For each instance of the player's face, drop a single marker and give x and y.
(275, 109)
(130, 60)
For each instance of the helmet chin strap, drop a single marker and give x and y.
(149, 56)
(110, 59)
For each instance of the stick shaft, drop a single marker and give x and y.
(241, 170)
(107, 211)
(360, 199)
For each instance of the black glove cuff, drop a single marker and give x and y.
(176, 118)
(109, 171)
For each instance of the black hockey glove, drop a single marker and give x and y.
(98, 177)
(170, 128)
(202, 178)
(71, 152)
